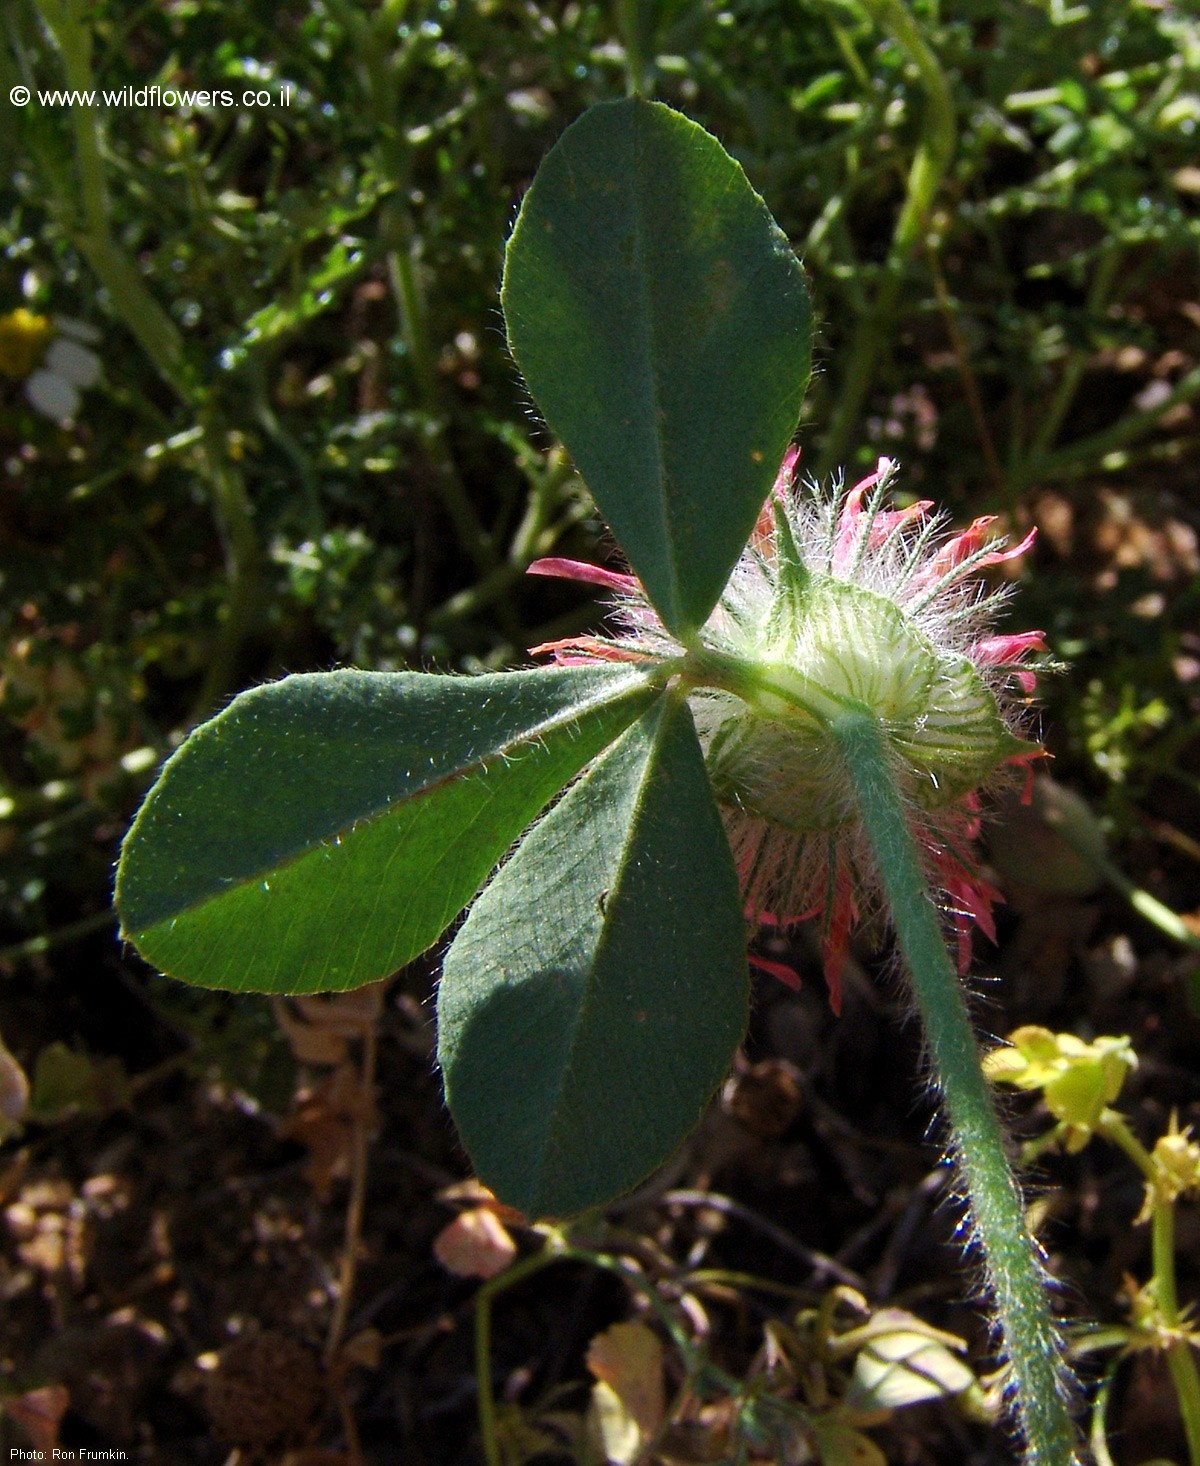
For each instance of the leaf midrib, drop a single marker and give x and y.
(649, 315)
(479, 763)
(612, 905)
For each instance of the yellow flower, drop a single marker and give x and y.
(1078, 1080)
(23, 341)
(1176, 1159)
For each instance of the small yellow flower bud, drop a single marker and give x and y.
(1078, 1080)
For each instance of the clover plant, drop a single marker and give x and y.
(791, 718)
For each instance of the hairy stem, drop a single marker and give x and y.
(1010, 1253)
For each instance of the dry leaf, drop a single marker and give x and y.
(319, 1030)
(906, 1361)
(612, 1428)
(39, 1414)
(365, 1349)
(14, 1092)
(476, 1244)
(324, 1121)
(628, 1357)
(765, 1098)
(473, 1192)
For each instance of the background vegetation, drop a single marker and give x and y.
(309, 448)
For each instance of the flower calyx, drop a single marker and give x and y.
(841, 606)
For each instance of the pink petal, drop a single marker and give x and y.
(963, 546)
(1000, 651)
(781, 970)
(1025, 760)
(787, 470)
(836, 939)
(574, 651)
(887, 524)
(849, 521)
(962, 931)
(577, 570)
(846, 543)
(976, 896)
(958, 549)
(1013, 552)
(764, 526)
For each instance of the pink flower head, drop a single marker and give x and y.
(840, 602)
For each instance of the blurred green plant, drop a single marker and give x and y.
(827, 1371)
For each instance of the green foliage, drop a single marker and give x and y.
(325, 829)
(605, 966)
(594, 997)
(662, 323)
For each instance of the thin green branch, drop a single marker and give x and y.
(1180, 1359)
(1052, 419)
(1181, 1362)
(153, 329)
(62, 936)
(1086, 452)
(1012, 1258)
(469, 530)
(934, 152)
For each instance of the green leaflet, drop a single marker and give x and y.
(323, 830)
(662, 324)
(595, 995)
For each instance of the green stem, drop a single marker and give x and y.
(159, 337)
(61, 936)
(151, 326)
(1149, 907)
(1113, 1126)
(402, 272)
(1180, 1360)
(1086, 452)
(486, 1400)
(631, 25)
(929, 165)
(235, 521)
(1077, 361)
(1011, 1255)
